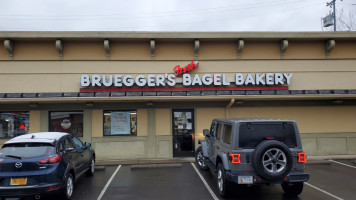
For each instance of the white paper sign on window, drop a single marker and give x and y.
(189, 126)
(188, 115)
(177, 114)
(120, 123)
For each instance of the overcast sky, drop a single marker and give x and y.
(166, 15)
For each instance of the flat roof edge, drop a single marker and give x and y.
(176, 35)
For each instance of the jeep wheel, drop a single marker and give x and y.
(292, 189)
(200, 160)
(223, 185)
(272, 160)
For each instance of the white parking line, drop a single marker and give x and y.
(205, 183)
(323, 191)
(108, 183)
(343, 164)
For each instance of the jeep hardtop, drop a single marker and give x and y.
(253, 151)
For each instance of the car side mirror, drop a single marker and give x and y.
(87, 144)
(206, 132)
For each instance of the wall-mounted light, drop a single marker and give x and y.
(239, 102)
(89, 104)
(33, 105)
(149, 103)
(338, 101)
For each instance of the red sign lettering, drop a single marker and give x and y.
(185, 69)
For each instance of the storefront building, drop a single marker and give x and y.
(149, 95)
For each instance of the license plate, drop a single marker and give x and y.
(18, 181)
(245, 179)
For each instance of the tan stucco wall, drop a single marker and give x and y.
(35, 51)
(36, 63)
(174, 50)
(122, 147)
(305, 50)
(163, 122)
(4, 55)
(310, 119)
(84, 50)
(97, 123)
(344, 49)
(35, 121)
(130, 50)
(142, 122)
(64, 76)
(217, 50)
(210, 49)
(261, 50)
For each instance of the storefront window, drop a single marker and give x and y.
(13, 124)
(120, 123)
(68, 122)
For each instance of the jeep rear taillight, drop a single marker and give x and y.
(51, 160)
(302, 157)
(235, 158)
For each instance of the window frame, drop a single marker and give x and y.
(70, 111)
(20, 111)
(224, 134)
(218, 131)
(119, 135)
(75, 143)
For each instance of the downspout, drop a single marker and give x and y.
(228, 106)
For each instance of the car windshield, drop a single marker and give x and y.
(251, 134)
(26, 150)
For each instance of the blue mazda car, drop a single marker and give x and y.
(41, 164)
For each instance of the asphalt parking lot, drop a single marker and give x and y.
(333, 180)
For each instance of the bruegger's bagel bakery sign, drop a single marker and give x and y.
(167, 82)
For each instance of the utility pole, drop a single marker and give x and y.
(332, 4)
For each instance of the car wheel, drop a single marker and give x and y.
(223, 185)
(91, 169)
(68, 187)
(200, 160)
(272, 160)
(292, 189)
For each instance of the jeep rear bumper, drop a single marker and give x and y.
(290, 178)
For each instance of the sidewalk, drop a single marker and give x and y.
(311, 160)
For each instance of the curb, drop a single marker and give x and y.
(312, 160)
(332, 157)
(145, 161)
(150, 166)
(99, 168)
(318, 162)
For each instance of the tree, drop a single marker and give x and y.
(346, 22)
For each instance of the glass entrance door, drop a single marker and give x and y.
(183, 132)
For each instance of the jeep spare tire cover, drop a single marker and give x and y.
(272, 160)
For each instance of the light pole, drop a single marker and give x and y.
(332, 3)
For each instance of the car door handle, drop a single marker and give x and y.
(217, 147)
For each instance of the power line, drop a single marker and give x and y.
(216, 20)
(156, 14)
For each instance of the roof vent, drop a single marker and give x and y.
(33, 136)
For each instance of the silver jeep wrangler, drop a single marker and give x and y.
(253, 151)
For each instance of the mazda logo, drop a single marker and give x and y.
(18, 165)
